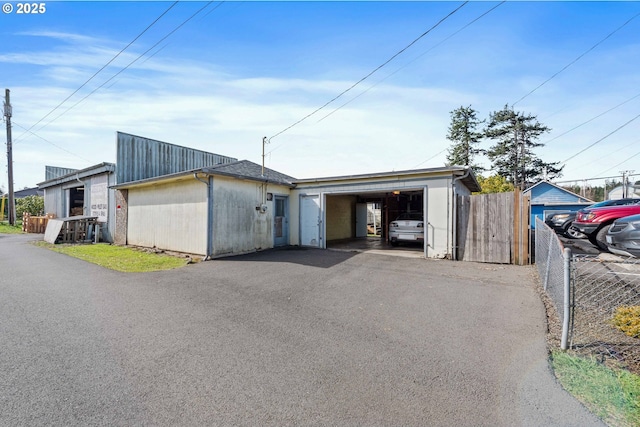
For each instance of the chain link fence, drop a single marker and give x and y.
(585, 292)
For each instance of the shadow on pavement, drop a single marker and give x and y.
(296, 255)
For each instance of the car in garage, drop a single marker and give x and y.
(623, 237)
(408, 227)
(595, 223)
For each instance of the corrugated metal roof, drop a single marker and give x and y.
(140, 158)
(52, 172)
(79, 174)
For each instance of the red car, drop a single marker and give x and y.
(596, 222)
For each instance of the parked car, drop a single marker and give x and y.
(561, 222)
(595, 223)
(408, 227)
(623, 237)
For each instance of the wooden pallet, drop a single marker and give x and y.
(35, 224)
(75, 229)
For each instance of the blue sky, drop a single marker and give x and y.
(238, 71)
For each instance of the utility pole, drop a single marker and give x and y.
(625, 183)
(265, 141)
(12, 202)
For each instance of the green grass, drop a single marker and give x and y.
(7, 229)
(611, 394)
(118, 258)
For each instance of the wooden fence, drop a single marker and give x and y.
(494, 228)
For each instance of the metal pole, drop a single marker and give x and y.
(550, 246)
(567, 296)
(12, 202)
(264, 142)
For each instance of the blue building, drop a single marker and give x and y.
(548, 198)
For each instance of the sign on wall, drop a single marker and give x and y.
(99, 197)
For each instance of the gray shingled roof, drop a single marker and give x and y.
(250, 170)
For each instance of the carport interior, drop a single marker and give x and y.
(361, 220)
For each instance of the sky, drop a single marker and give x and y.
(338, 88)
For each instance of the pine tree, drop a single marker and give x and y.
(464, 134)
(512, 155)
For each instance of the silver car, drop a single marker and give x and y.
(623, 237)
(408, 227)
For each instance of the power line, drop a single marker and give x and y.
(430, 158)
(611, 153)
(590, 179)
(621, 163)
(593, 118)
(101, 69)
(371, 73)
(602, 139)
(134, 61)
(49, 142)
(578, 58)
(414, 60)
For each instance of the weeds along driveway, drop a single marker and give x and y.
(283, 337)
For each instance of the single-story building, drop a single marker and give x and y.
(547, 198)
(185, 200)
(335, 208)
(240, 207)
(88, 192)
(71, 192)
(213, 211)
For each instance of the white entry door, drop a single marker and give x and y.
(310, 220)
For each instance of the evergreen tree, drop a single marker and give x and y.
(515, 135)
(464, 134)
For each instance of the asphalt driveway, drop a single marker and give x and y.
(283, 337)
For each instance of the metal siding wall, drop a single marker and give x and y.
(238, 226)
(88, 183)
(111, 223)
(54, 201)
(169, 216)
(439, 216)
(140, 158)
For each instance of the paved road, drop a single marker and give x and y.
(288, 337)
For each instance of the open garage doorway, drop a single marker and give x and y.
(75, 201)
(360, 221)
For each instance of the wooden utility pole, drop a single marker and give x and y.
(7, 116)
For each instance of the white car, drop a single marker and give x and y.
(408, 227)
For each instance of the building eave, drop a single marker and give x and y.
(98, 169)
